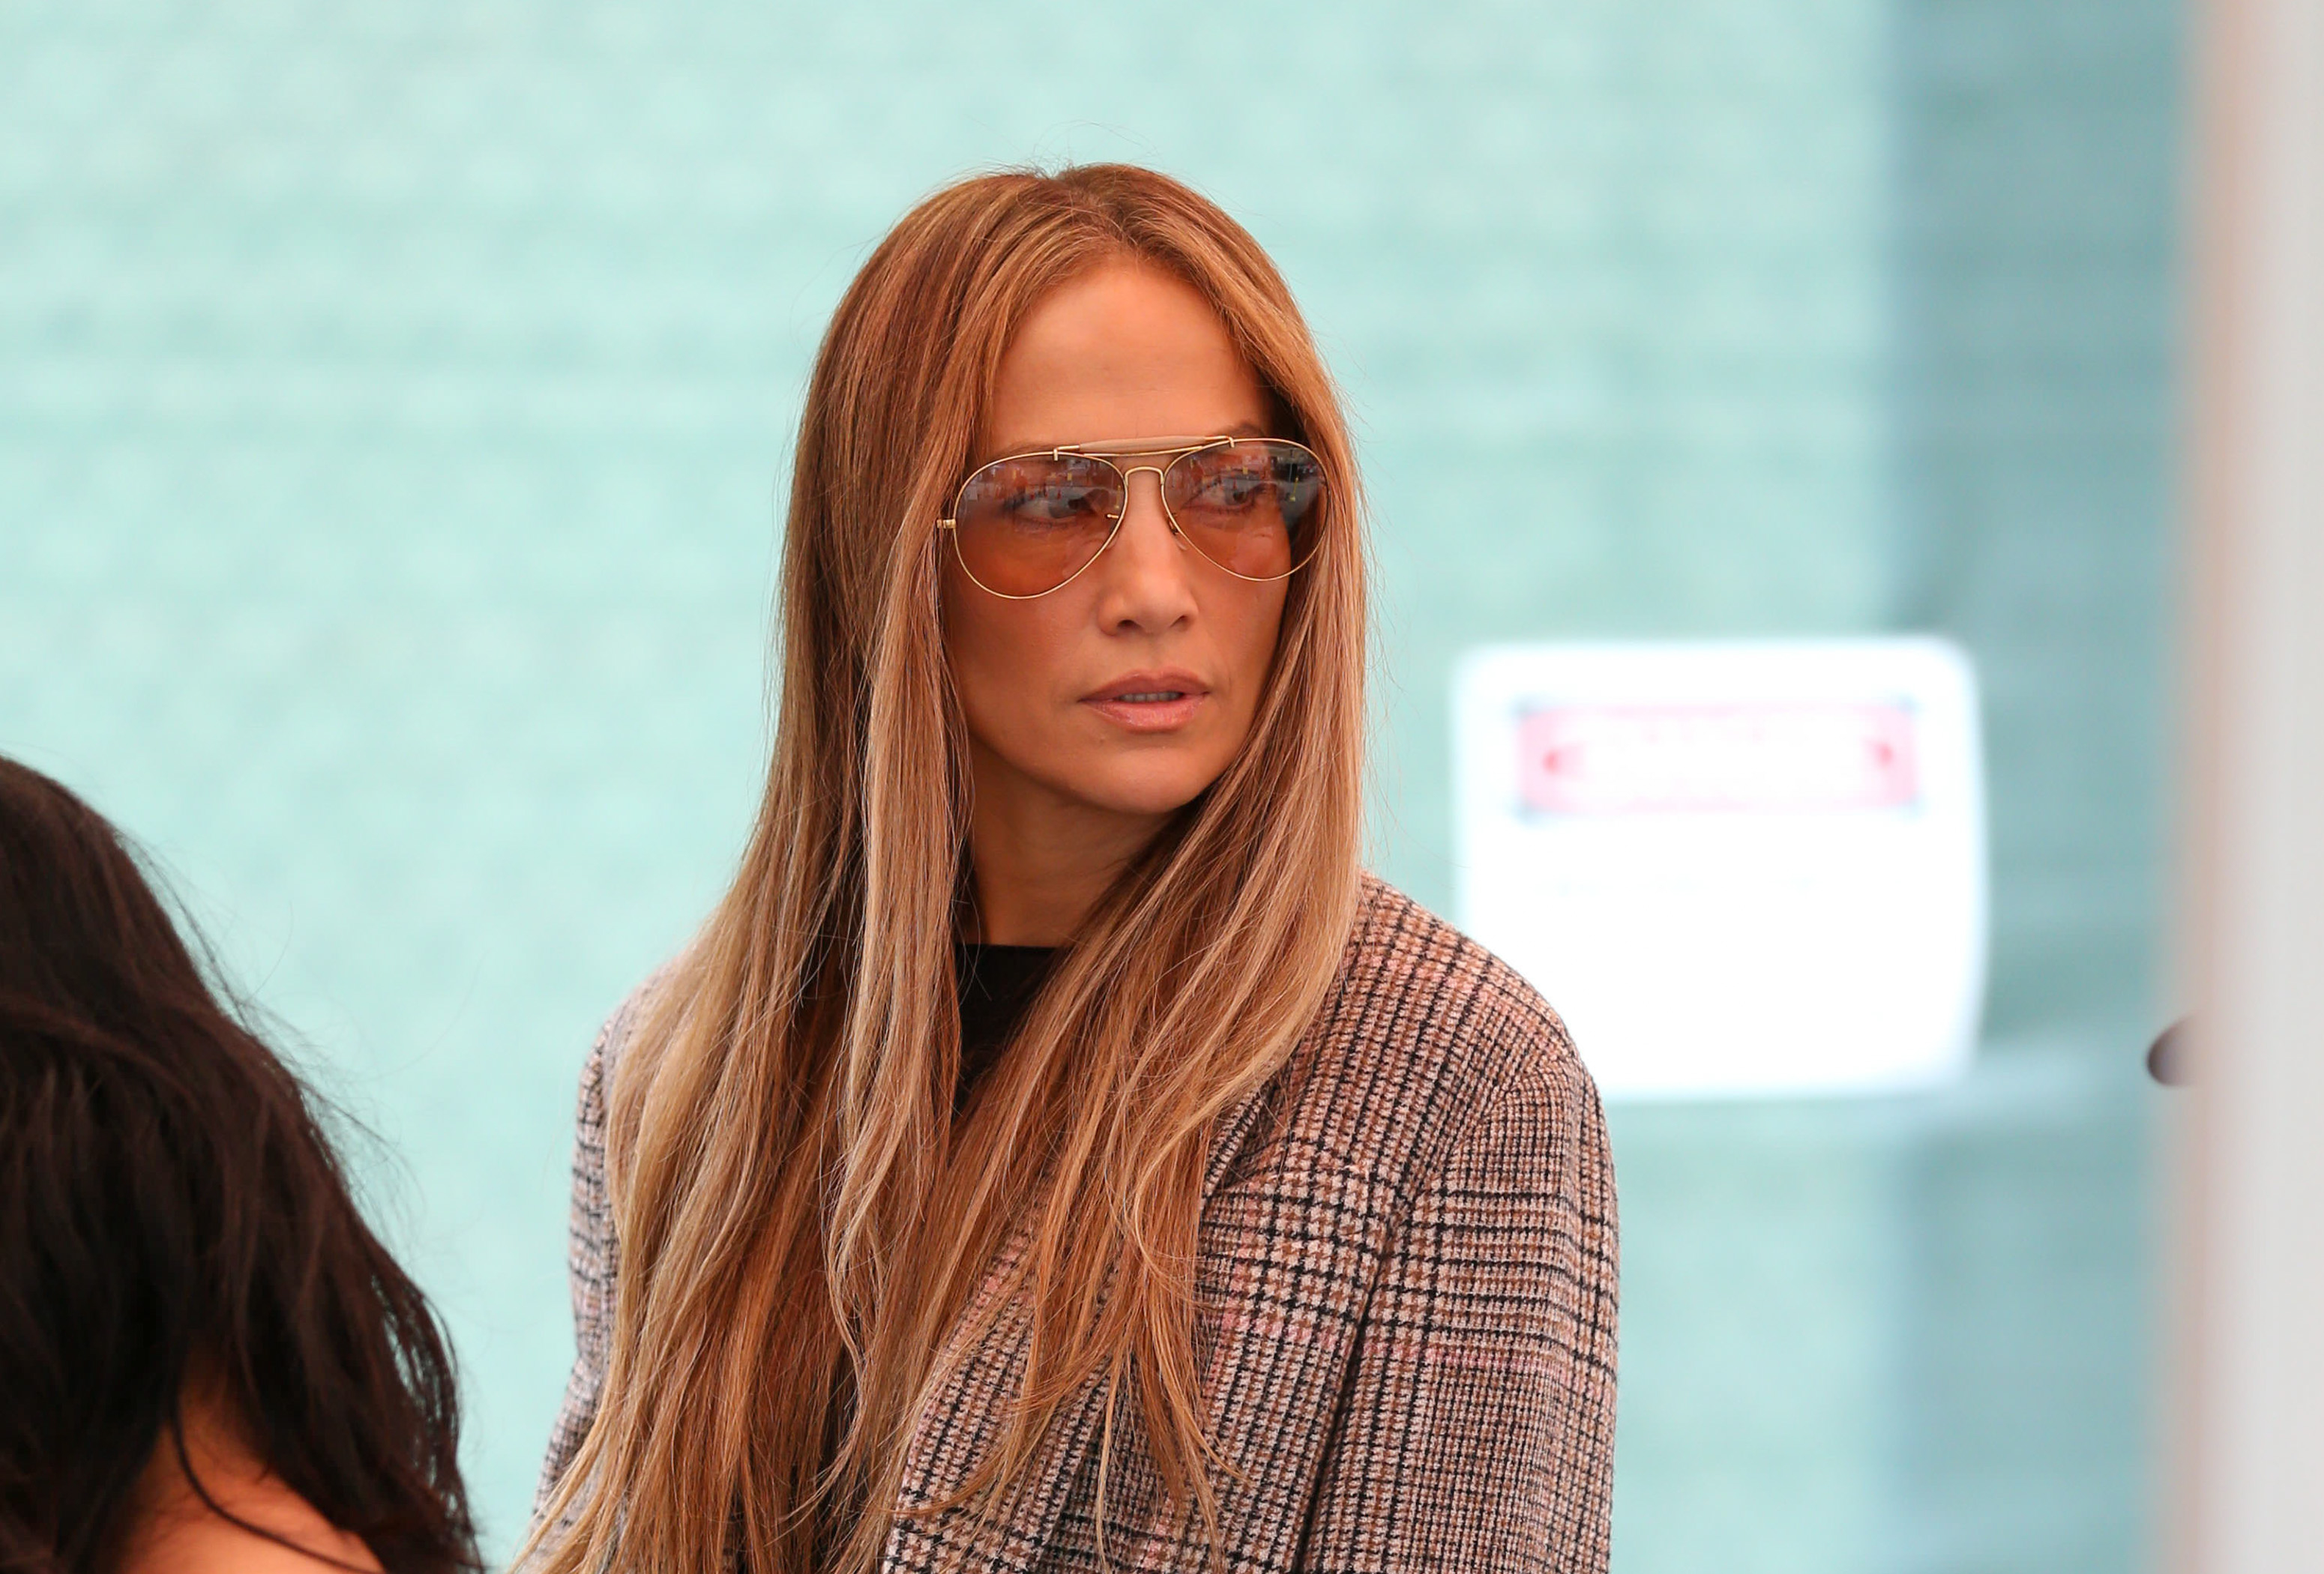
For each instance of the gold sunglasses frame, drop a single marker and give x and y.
(1106, 453)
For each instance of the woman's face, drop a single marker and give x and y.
(1123, 694)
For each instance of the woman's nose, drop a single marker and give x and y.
(1148, 581)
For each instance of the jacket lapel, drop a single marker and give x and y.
(964, 1415)
(964, 1411)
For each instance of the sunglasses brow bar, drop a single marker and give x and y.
(1138, 447)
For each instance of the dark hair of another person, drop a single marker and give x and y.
(170, 1209)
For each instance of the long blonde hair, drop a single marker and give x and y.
(800, 1226)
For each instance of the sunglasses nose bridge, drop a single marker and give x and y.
(1156, 471)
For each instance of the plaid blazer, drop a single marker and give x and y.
(1407, 1262)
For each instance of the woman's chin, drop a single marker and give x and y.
(1147, 795)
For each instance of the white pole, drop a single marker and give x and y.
(2247, 1472)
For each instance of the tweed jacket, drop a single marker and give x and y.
(1406, 1266)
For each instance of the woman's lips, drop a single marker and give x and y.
(1150, 702)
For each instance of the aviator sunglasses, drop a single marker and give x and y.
(1026, 524)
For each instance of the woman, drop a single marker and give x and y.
(208, 1361)
(1053, 1150)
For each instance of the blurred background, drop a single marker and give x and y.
(395, 403)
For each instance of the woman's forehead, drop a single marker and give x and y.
(1124, 353)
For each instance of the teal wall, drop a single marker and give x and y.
(394, 401)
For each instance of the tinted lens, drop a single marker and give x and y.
(1027, 525)
(1253, 507)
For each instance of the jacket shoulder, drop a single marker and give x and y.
(621, 1028)
(1423, 1032)
(1411, 978)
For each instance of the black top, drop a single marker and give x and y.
(996, 983)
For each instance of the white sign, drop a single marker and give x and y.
(1734, 868)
